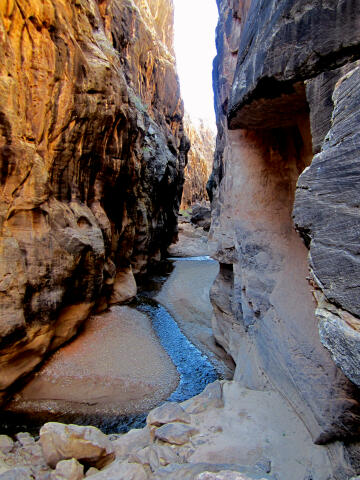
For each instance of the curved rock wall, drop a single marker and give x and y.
(92, 157)
(286, 88)
(200, 161)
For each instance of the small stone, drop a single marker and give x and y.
(223, 475)
(211, 397)
(175, 433)
(167, 455)
(87, 444)
(6, 444)
(167, 413)
(17, 473)
(43, 476)
(131, 442)
(146, 456)
(24, 438)
(92, 471)
(68, 470)
(263, 465)
(122, 471)
(155, 456)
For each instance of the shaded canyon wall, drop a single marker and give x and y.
(92, 156)
(286, 86)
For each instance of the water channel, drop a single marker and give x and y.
(194, 368)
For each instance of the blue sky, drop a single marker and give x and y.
(195, 22)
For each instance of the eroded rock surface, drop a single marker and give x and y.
(326, 214)
(64, 442)
(231, 431)
(92, 158)
(285, 87)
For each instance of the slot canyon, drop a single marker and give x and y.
(178, 304)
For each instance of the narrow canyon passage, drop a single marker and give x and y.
(202, 290)
(124, 363)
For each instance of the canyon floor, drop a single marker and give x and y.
(226, 432)
(116, 366)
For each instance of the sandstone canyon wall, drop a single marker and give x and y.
(92, 157)
(200, 161)
(286, 83)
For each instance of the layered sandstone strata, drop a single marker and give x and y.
(200, 161)
(286, 87)
(92, 158)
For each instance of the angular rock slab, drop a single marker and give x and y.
(223, 475)
(86, 444)
(131, 442)
(192, 471)
(121, 470)
(155, 456)
(167, 413)
(175, 433)
(17, 473)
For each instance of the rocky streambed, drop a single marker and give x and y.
(125, 362)
(226, 432)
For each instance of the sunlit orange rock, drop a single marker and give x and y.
(200, 161)
(92, 156)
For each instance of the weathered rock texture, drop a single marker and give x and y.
(92, 157)
(200, 161)
(286, 88)
(251, 435)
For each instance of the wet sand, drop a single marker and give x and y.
(186, 296)
(115, 366)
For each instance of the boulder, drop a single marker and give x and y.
(175, 433)
(68, 470)
(86, 444)
(167, 413)
(25, 439)
(155, 456)
(201, 216)
(92, 471)
(122, 470)
(131, 442)
(211, 397)
(18, 473)
(124, 287)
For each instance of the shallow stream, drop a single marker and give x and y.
(194, 368)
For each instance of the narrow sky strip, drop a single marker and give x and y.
(195, 23)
